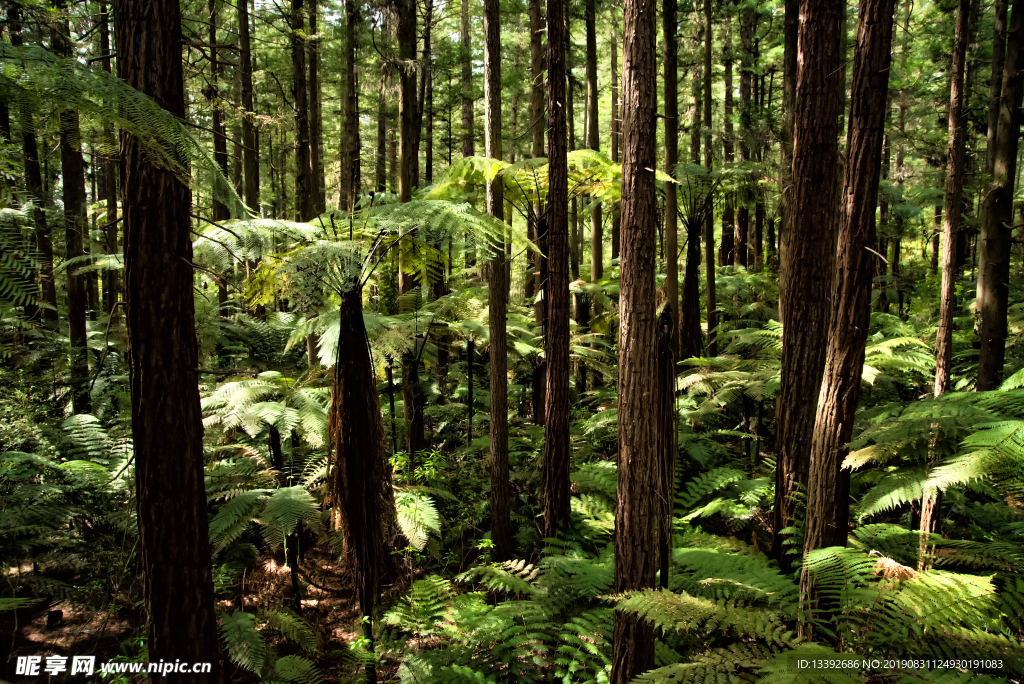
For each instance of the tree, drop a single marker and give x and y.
(497, 285)
(709, 220)
(828, 487)
(468, 138)
(304, 192)
(669, 28)
(997, 213)
(807, 255)
(593, 140)
(250, 153)
(350, 168)
(636, 511)
(556, 291)
(167, 427)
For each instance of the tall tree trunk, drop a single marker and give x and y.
(709, 222)
(381, 170)
(556, 288)
(414, 401)
(953, 208)
(250, 143)
(828, 485)
(996, 235)
(76, 229)
(501, 494)
(427, 109)
(638, 473)
(665, 433)
(807, 255)
(468, 137)
(350, 181)
(304, 192)
(1000, 9)
(537, 126)
(361, 472)
(616, 128)
(791, 27)
(593, 141)
(316, 126)
(728, 250)
(111, 278)
(407, 105)
(671, 90)
(167, 426)
(748, 28)
(220, 141)
(34, 189)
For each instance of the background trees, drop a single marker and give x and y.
(459, 407)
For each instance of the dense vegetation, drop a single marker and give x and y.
(513, 341)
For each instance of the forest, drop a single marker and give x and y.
(511, 341)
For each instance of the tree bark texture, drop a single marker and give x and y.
(556, 287)
(497, 298)
(828, 486)
(637, 511)
(167, 422)
(807, 255)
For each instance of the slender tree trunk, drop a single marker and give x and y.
(35, 191)
(75, 233)
(593, 140)
(250, 151)
(616, 128)
(220, 142)
(537, 126)
(111, 278)
(953, 207)
(748, 27)
(807, 255)
(728, 251)
(638, 472)
(828, 485)
(556, 290)
(665, 434)
(361, 472)
(381, 172)
(316, 126)
(709, 222)
(414, 401)
(304, 191)
(407, 104)
(468, 137)
(671, 90)
(791, 26)
(427, 111)
(501, 494)
(350, 180)
(167, 421)
(996, 235)
(1000, 9)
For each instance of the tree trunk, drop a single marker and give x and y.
(638, 473)
(1000, 10)
(468, 138)
(304, 192)
(350, 180)
(728, 251)
(220, 141)
(828, 487)
(996, 234)
(111, 278)
(167, 425)
(593, 140)
(381, 170)
(361, 471)
(427, 106)
(501, 494)
(807, 254)
(250, 153)
(537, 126)
(616, 129)
(76, 229)
(316, 126)
(407, 105)
(709, 222)
(665, 433)
(414, 401)
(34, 190)
(556, 287)
(748, 27)
(671, 90)
(791, 27)
(953, 208)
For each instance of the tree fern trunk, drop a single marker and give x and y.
(666, 432)
(361, 471)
